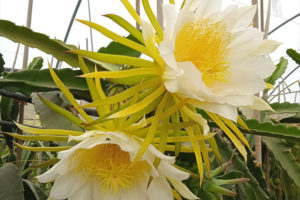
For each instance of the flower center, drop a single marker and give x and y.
(110, 165)
(206, 45)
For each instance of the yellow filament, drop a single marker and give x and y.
(205, 43)
(110, 165)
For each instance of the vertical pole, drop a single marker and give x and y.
(28, 25)
(15, 59)
(262, 17)
(257, 138)
(25, 63)
(58, 63)
(255, 19)
(90, 19)
(160, 13)
(138, 10)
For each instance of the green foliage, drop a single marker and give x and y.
(285, 107)
(294, 55)
(29, 81)
(284, 156)
(119, 49)
(273, 130)
(2, 63)
(237, 164)
(9, 110)
(26, 36)
(280, 69)
(32, 192)
(48, 117)
(36, 64)
(11, 183)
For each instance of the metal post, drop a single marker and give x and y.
(257, 138)
(160, 13)
(69, 27)
(138, 10)
(90, 19)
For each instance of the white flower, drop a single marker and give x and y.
(213, 57)
(101, 167)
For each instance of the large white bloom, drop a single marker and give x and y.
(101, 167)
(214, 57)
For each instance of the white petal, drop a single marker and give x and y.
(60, 168)
(240, 83)
(259, 65)
(267, 47)
(100, 194)
(260, 104)
(225, 110)
(136, 192)
(85, 192)
(170, 15)
(147, 30)
(153, 150)
(166, 50)
(238, 19)
(63, 185)
(239, 100)
(84, 136)
(169, 170)
(119, 138)
(207, 8)
(172, 85)
(159, 189)
(182, 189)
(185, 16)
(191, 83)
(243, 45)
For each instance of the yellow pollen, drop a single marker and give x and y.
(206, 45)
(110, 166)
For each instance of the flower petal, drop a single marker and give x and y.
(225, 110)
(169, 170)
(207, 7)
(85, 192)
(159, 189)
(267, 47)
(243, 45)
(182, 189)
(260, 104)
(63, 185)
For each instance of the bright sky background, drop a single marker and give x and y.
(52, 18)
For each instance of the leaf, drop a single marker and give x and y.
(239, 165)
(293, 54)
(33, 192)
(120, 49)
(279, 71)
(49, 118)
(273, 130)
(285, 157)
(285, 107)
(11, 187)
(26, 36)
(2, 63)
(36, 63)
(40, 81)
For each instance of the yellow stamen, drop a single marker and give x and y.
(110, 166)
(205, 43)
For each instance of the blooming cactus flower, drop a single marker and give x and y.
(102, 166)
(213, 56)
(204, 58)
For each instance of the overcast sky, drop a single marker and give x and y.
(52, 17)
